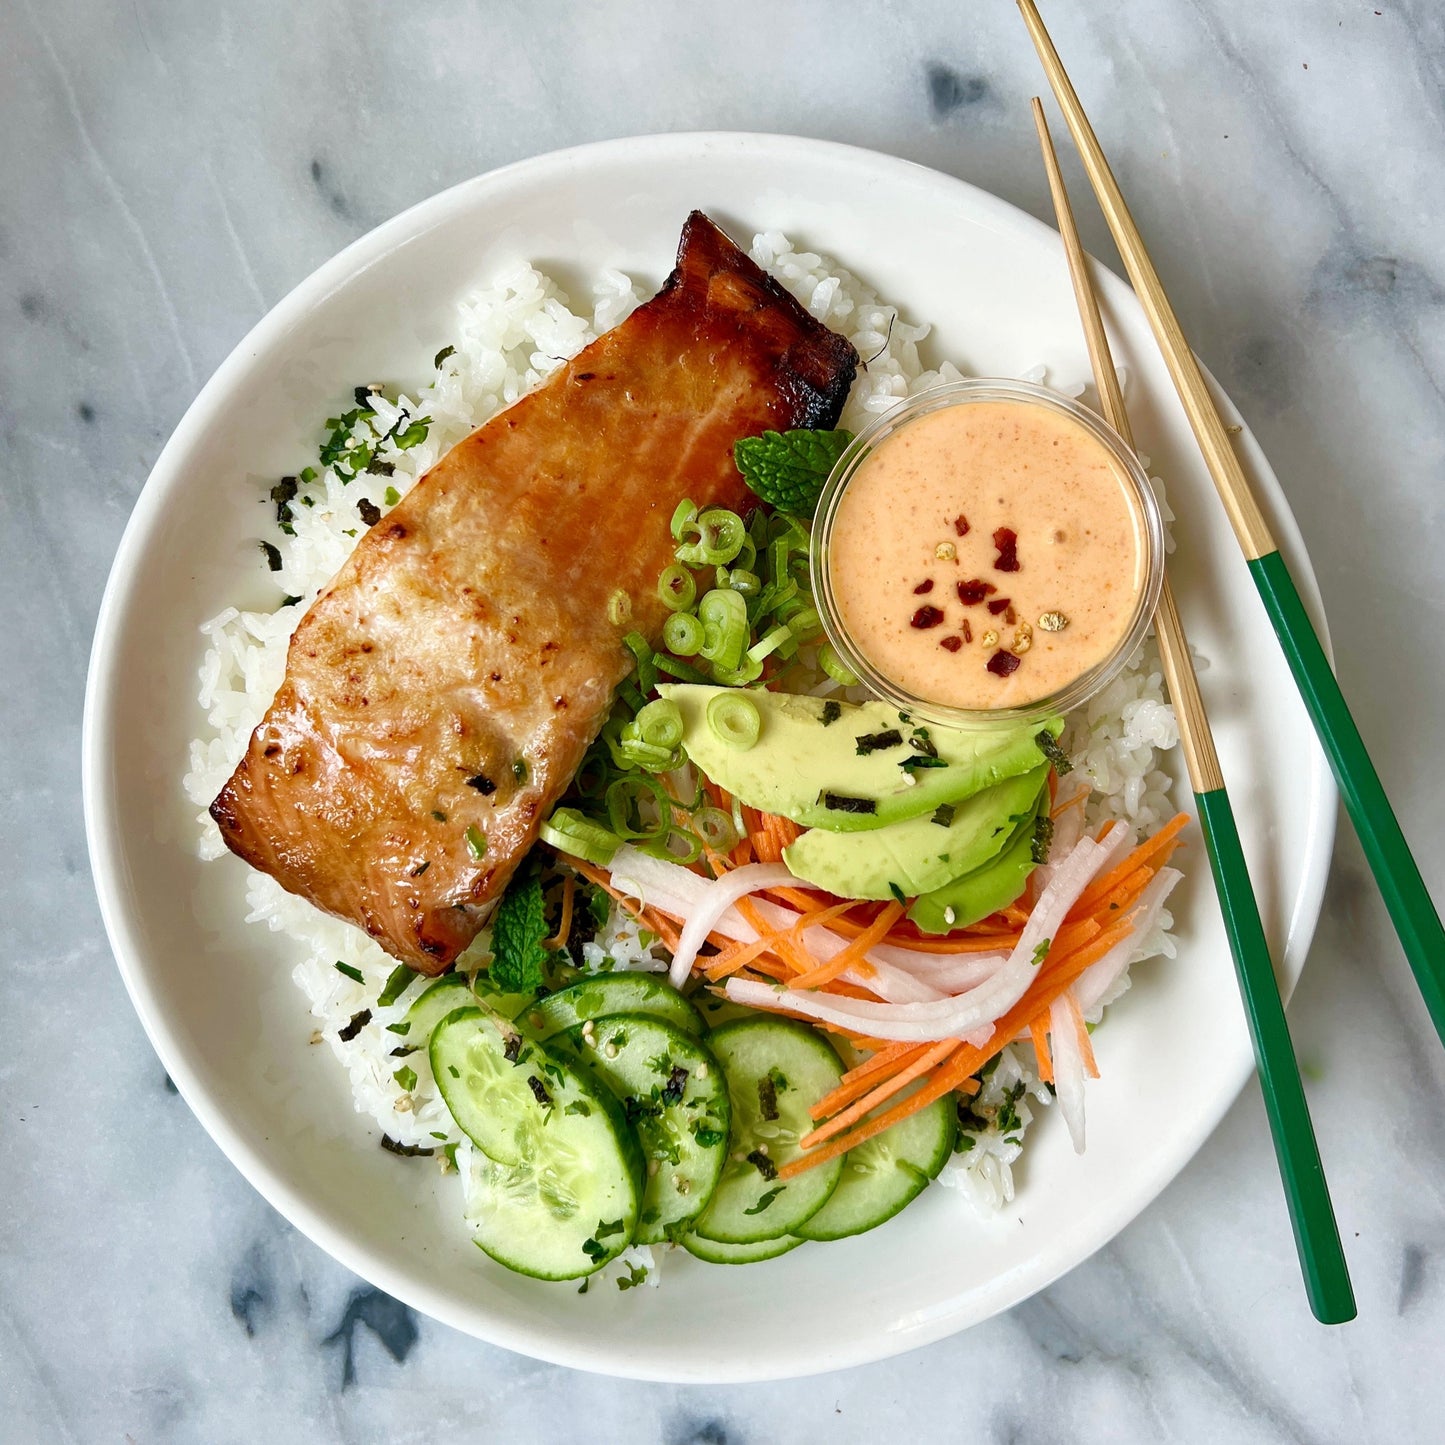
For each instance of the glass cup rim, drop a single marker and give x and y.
(971, 390)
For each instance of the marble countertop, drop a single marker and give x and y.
(171, 169)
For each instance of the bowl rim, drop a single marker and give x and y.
(102, 823)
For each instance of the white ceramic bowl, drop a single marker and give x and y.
(216, 996)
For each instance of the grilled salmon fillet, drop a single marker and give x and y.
(440, 693)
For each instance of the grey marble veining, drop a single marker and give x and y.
(170, 168)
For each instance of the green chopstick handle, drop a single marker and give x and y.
(1316, 1236)
(1411, 909)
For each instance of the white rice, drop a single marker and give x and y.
(509, 335)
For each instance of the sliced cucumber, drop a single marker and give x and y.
(558, 1190)
(773, 1066)
(715, 1252)
(887, 1173)
(445, 996)
(675, 1095)
(612, 993)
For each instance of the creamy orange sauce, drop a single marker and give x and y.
(914, 562)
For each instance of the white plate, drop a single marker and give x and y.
(216, 996)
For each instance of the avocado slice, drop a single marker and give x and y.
(918, 855)
(810, 769)
(986, 889)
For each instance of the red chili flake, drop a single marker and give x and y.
(998, 604)
(1007, 542)
(925, 586)
(1002, 663)
(975, 591)
(952, 644)
(927, 617)
(967, 631)
(960, 525)
(1010, 617)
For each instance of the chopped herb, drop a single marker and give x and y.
(832, 711)
(273, 557)
(396, 984)
(922, 741)
(1042, 952)
(283, 494)
(767, 1198)
(518, 928)
(455, 1072)
(877, 742)
(1043, 838)
(483, 784)
(1048, 745)
(539, 1091)
(582, 1288)
(788, 469)
(476, 842)
(763, 1164)
(412, 435)
(406, 1077)
(606, 1231)
(308, 475)
(943, 815)
(350, 970)
(354, 1026)
(707, 1135)
(289, 601)
(391, 496)
(767, 1098)
(898, 893)
(437, 1134)
(963, 1143)
(780, 1081)
(914, 761)
(442, 355)
(406, 1151)
(594, 1251)
(579, 1106)
(1008, 1114)
(438, 815)
(842, 803)
(636, 1275)
(403, 1053)
(400, 1029)
(519, 770)
(660, 1064)
(421, 868)
(370, 512)
(599, 905)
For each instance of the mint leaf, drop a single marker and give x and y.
(788, 469)
(517, 934)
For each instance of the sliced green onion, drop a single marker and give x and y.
(638, 646)
(682, 519)
(724, 616)
(677, 588)
(682, 633)
(476, 842)
(680, 670)
(715, 828)
(832, 664)
(806, 624)
(660, 724)
(767, 645)
(678, 847)
(396, 984)
(740, 676)
(721, 539)
(568, 831)
(626, 799)
(734, 720)
(743, 581)
(619, 608)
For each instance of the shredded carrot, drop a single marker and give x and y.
(855, 954)
(734, 957)
(855, 1086)
(886, 1057)
(1039, 1033)
(935, 1054)
(1157, 847)
(1081, 1032)
(1077, 800)
(564, 927)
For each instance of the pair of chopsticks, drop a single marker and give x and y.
(1317, 1239)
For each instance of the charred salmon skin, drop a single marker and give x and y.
(441, 691)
